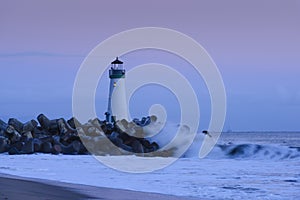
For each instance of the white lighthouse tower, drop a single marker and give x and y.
(117, 104)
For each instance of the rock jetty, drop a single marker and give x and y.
(60, 136)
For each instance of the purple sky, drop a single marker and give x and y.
(255, 45)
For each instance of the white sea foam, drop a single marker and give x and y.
(256, 170)
(239, 150)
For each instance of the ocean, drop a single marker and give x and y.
(248, 165)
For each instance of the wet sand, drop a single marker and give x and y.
(15, 188)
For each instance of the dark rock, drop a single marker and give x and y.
(28, 147)
(13, 135)
(64, 127)
(46, 147)
(13, 151)
(143, 122)
(27, 135)
(30, 126)
(73, 122)
(18, 126)
(50, 125)
(60, 136)
(71, 149)
(37, 144)
(15, 148)
(137, 147)
(4, 144)
(6, 130)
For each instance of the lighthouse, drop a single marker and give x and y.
(117, 104)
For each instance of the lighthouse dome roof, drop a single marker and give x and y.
(117, 61)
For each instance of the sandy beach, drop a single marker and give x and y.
(15, 188)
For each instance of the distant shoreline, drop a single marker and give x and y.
(255, 132)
